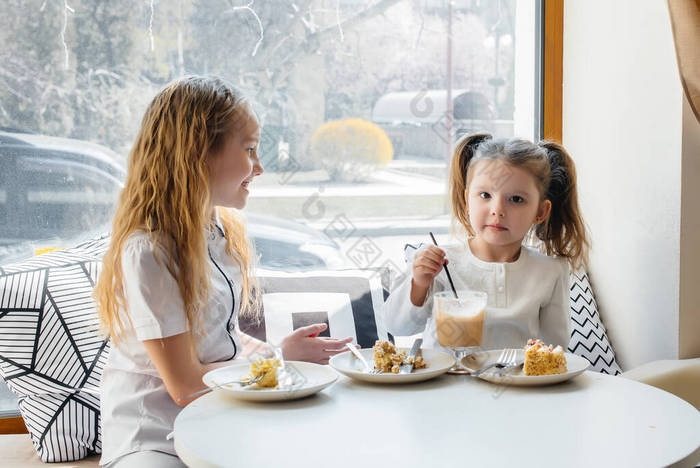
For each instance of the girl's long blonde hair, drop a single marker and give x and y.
(166, 194)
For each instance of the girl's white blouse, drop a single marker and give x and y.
(528, 298)
(137, 411)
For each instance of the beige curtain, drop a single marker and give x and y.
(685, 23)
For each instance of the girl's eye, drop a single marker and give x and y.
(517, 199)
(251, 151)
(485, 195)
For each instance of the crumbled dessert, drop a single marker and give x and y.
(268, 369)
(543, 360)
(388, 359)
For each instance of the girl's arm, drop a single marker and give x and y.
(303, 344)
(418, 294)
(410, 304)
(251, 345)
(401, 316)
(159, 320)
(178, 366)
(182, 372)
(555, 317)
(427, 264)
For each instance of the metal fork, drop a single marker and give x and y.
(369, 369)
(507, 358)
(511, 365)
(242, 383)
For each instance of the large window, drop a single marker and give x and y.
(331, 81)
(361, 102)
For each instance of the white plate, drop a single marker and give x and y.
(346, 363)
(574, 365)
(317, 378)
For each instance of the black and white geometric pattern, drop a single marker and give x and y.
(588, 336)
(50, 348)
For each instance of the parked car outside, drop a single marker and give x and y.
(56, 192)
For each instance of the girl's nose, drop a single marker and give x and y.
(257, 168)
(497, 208)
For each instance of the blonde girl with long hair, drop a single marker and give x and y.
(519, 232)
(179, 269)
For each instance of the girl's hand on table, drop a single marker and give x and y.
(303, 344)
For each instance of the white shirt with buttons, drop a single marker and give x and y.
(137, 411)
(527, 298)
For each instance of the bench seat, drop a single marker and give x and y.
(17, 451)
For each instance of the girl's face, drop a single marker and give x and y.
(503, 203)
(233, 166)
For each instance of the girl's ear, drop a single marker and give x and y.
(543, 211)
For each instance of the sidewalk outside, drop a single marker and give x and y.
(370, 222)
(404, 189)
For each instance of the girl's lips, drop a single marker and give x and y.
(496, 227)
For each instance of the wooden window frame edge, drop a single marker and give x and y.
(553, 69)
(13, 425)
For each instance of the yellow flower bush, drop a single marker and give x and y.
(350, 149)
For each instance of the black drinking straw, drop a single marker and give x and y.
(447, 272)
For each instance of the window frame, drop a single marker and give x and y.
(551, 49)
(552, 69)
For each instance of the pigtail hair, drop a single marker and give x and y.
(564, 232)
(464, 152)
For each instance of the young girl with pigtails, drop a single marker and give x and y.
(505, 194)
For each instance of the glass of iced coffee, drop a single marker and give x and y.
(460, 323)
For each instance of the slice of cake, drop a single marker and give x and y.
(543, 360)
(268, 369)
(388, 359)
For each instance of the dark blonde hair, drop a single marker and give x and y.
(166, 194)
(563, 233)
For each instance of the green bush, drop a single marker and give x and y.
(350, 149)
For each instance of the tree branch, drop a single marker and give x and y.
(313, 41)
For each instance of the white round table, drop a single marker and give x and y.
(452, 421)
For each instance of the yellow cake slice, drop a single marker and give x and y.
(268, 369)
(543, 360)
(388, 359)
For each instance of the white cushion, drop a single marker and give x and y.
(348, 301)
(680, 377)
(50, 346)
(588, 336)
